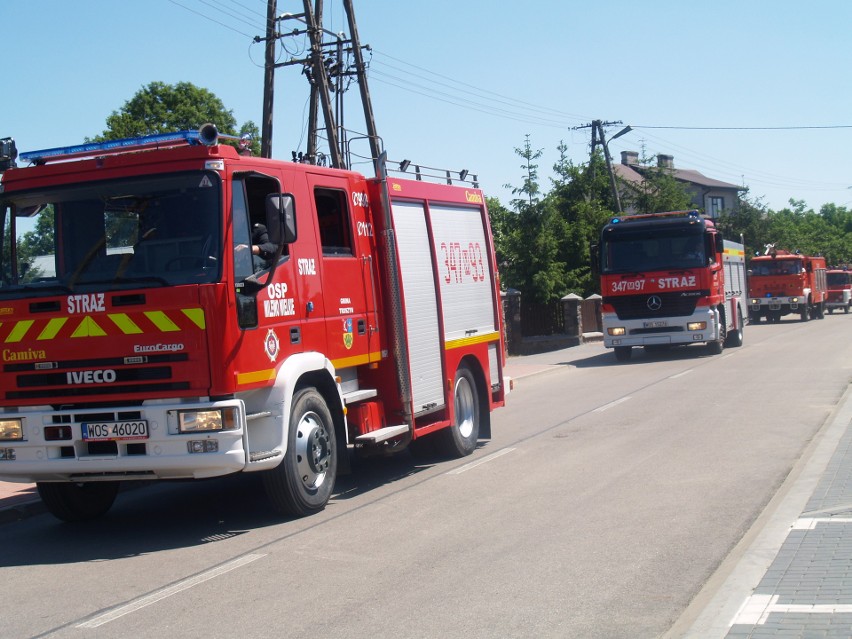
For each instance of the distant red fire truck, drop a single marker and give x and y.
(782, 283)
(839, 282)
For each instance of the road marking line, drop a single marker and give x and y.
(757, 608)
(681, 374)
(601, 409)
(154, 597)
(479, 462)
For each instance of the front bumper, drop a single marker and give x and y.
(48, 453)
(662, 330)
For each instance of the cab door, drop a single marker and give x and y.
(345, 274)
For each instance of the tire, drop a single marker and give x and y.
(735, 338)
(821, 310)
(72, 502)
(302, 483)
(846, 308)
(717, 346)
(805, 312)
(622, 353)
(459, 439)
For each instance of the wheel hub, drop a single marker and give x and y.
(313, 450)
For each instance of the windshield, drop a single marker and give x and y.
(639, 251)
(839, 280)
(776, 267)
(155, 231)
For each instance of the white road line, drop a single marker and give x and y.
(154, 597)
(479, 462)
(601, 409)
(757, 608)
(681, 374)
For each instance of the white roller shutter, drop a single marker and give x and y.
(421, 306)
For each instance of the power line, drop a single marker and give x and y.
(745, 128)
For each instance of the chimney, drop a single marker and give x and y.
(665, 161)
(629, 157)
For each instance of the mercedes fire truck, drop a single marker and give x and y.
(670, 279)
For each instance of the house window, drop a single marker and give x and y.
(716, 205)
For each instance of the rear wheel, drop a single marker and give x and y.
(302, 483)
(460, 438)
(70, 501)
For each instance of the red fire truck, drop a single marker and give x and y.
(161, 334)
(839, 283)
(669, 278)
(782, 282)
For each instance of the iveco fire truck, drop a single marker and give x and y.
(839, 283)
(667, 279)
(781, 283)
(154, 337)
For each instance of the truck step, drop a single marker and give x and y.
(359, 395)
(382, 434)
(260, 455)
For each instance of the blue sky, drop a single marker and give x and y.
(459, 85)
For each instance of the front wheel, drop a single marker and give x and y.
(622, 353)
(460, 438)
(302, 483)
(735, 337)
(70, 501)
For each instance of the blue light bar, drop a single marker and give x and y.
(112, 146)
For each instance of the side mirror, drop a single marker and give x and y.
(281, 218)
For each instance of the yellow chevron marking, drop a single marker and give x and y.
(88, 328)
(19, 331)
(162, 321)
(123, 321)
(52, 328)
(196, 315)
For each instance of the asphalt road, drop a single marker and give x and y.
(610, 494)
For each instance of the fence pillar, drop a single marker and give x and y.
(573, 318)
(512, 320)
(593, 303)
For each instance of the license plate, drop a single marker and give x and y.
(110, 431)
(656, 324)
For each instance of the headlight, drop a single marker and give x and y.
(696, 326)
(196, 421)
(11, 429)
(756, 302)
(616, 331)
(795, 300)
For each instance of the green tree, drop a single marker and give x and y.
(659, 191)
(165, 108)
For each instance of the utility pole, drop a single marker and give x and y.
(375, 151)
(313, 114)
(268, 80)
(598, 137)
